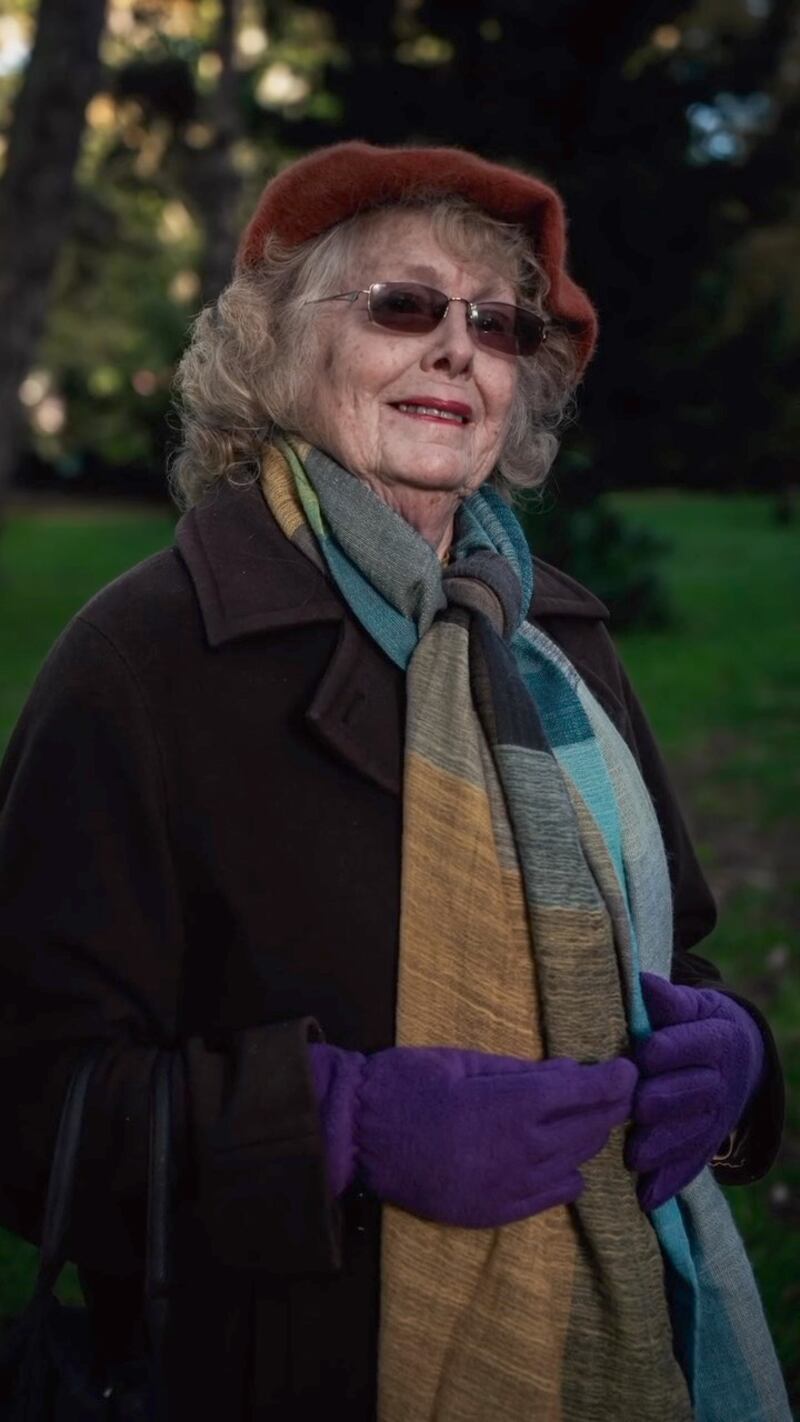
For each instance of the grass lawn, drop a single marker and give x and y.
(50, 565)
(722, 688)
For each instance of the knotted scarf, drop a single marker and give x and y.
(534, 890)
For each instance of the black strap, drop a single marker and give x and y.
(157, 1255)
(61, 1184)
(61, 1187)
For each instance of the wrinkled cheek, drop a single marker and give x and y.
(485, 456)
(501, 434)
(358, 437)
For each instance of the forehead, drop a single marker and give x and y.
(397, 246)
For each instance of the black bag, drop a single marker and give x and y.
(47, 1364)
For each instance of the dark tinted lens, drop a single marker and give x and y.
(502, 327)
(495, 327)
(405, 306)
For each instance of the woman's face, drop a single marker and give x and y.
(365, 374)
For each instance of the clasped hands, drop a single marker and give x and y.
(474, 1139)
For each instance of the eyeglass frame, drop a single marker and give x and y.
(472, 307)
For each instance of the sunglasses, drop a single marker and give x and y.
(414, 310)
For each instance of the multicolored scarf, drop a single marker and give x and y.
(534, 891)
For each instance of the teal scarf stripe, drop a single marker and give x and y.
(730, 1309)
(553, 686)
(392, 581)
(487, 524)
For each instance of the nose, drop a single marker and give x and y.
(451, 349)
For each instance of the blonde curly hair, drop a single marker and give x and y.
(248, 370)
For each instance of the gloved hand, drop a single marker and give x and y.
(698, 1071)
(462, 1137)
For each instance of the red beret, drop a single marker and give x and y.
(330, 184)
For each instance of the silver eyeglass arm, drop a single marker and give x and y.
(340, 296)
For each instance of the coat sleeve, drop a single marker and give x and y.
(751, 1150)
(92, 947)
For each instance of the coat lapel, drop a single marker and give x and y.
(249, 580)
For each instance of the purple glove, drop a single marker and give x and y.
(466, 1138)
(699, 1070)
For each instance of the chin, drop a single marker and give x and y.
(432, 483)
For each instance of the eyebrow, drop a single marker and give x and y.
(426, 273)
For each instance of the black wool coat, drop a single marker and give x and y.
(200, 849)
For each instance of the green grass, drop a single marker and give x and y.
(722, 689)
(731, 663)
(50, 565)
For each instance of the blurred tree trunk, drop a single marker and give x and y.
(37, 188)
(209, 174)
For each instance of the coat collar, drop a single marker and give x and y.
(248, 578)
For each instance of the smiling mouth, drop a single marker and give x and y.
(431, 412)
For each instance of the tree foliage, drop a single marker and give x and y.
(670, 129)
(36, 189)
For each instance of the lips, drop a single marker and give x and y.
(422, 407)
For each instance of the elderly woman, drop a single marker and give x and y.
(347, 801)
